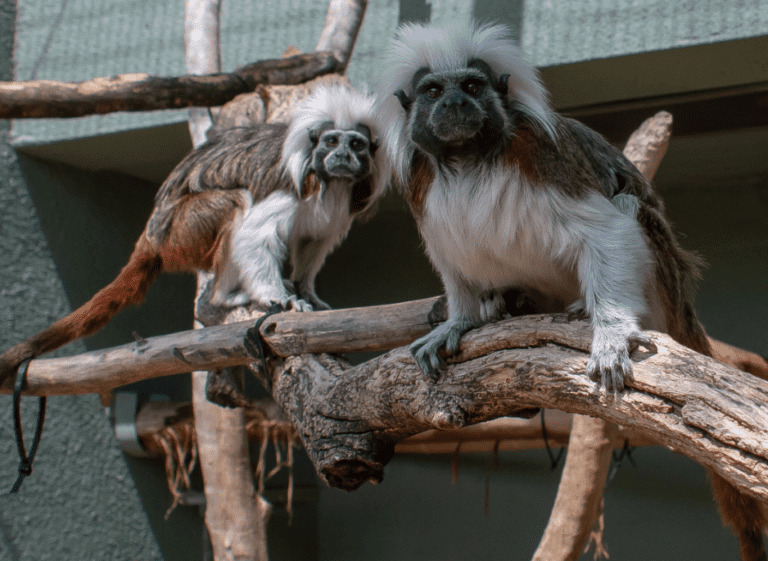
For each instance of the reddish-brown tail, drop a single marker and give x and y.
(677, 273)
(743, 515)
(129, 287)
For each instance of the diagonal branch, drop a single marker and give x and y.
(363, 329)
(142, 92)
(342, 26)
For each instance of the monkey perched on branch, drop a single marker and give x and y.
(249, 204)
(508, 194)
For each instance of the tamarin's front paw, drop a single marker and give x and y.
(426, 350)
(609, 363)
(313, 299)
(296, 304)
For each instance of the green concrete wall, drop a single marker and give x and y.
(81, 502)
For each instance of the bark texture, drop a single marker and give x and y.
(142, 92)
(350, 418)
(235, 515)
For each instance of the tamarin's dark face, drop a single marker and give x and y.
(342, 153)
(456, 113)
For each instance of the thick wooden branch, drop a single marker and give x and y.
(349, 419)
(142, 92)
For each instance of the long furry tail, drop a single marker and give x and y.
(743, 515)
(129, 287)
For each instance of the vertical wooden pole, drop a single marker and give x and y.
(236, 517)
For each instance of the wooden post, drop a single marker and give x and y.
(236, 517)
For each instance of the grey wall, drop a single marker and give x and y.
(81, 502)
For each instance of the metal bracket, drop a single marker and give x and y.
(125, 407)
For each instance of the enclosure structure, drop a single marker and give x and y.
(705, 64)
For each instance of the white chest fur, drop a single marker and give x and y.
(323, 216)
(494, 230)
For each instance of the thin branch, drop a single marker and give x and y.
(142, 92)
(202, 55)
(342, 26)
(365, 329)
(580, 493)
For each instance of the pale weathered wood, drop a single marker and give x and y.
(648, 144)
(532, 361)
(202, 55)
(290, 333)
(342, 26)
(235, 515)
(350, 419)
(580, 493)
(142, 92)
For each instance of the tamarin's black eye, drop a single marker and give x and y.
(472, 87)
(332, 141)
(357, 145)
(434, 92)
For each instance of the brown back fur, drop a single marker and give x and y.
(188, 230)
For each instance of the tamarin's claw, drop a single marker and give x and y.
(609, 363)
(426, 350)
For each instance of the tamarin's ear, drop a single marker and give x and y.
(405, 101)
(502, 86)
(316, 131)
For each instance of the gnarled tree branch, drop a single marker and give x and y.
(142, 92)
(350, 418)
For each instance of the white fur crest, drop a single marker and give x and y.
(346, 109)
(416, 46)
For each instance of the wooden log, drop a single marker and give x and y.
(142, 92)
(349, 419)
(290, 333)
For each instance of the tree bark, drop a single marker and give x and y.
(142, 92)
(703, 409)
(340, 331)
(579, 496)
(349, 419)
